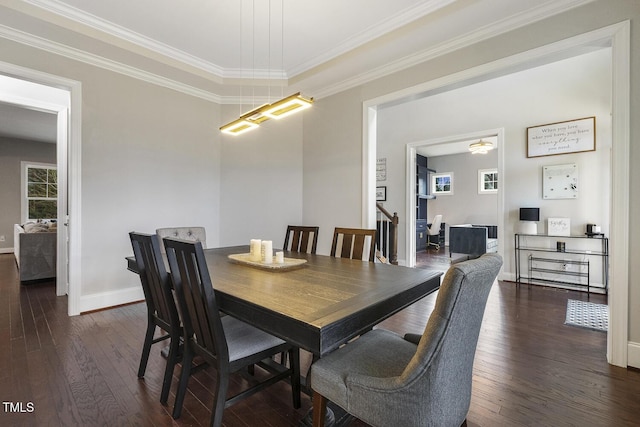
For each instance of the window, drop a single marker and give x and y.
(40, 190)
(442, 183)
(487, 181)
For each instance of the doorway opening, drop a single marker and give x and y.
(616, 37)
(33, 90)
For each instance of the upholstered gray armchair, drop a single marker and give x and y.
(386, 380)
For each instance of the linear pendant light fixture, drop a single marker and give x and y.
(278, 110)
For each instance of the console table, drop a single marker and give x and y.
(574, 262)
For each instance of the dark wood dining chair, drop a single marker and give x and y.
(354, 243)
(161, 307)
(302, 238)
(226, 343)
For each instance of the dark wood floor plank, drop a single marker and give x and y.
(530, 368)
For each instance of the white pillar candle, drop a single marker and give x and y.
(279, 257)
(267, 251)
(255, 252)
(597, 229)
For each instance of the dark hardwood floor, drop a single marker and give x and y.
(530, 369)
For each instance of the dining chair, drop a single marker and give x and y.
(434, 230)
(193, 234)
(354, 243)
(161, 307)
(228, 344)
(301, 237)
(416, 380)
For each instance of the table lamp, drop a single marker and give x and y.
(528, 220)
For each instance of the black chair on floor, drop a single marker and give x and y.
(161, 306)
(301, 236)
(226, 343)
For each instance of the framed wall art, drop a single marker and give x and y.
(558, 227)
(381, 194)
(572, 136)
(442, 183)
(487, 181)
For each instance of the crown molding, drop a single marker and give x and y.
(484, 33)
(465, 40)
(120, 32)
(98, 61)
(390, 24)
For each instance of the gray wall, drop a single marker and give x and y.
(12, 152)
(465, 205)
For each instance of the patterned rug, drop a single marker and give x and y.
(587, 315)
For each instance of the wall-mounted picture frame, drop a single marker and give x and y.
(381, 194)
(560, 181)
(381, 169)
(571, 136)
(558, 226)
(487, 181)
(442, 183)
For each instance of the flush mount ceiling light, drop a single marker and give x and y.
(276, 110)
(480, 147)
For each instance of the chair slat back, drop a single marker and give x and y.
(155, 280)
(196, 298)
(354, 243)
(300, 237)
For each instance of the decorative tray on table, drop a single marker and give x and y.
(288, 264)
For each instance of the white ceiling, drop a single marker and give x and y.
(224, 49)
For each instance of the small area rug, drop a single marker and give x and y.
(587, 315)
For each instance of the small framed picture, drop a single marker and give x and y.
(558, 227)
(487, 181)
(381, 194)
(442, 183)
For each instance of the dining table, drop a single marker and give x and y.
(318, 305)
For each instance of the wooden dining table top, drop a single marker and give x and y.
(320, 305)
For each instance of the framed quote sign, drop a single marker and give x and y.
(572, 136)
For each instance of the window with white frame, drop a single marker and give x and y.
(487, 181)
(40, 191)
(442, 183)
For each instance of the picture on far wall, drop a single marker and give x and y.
(381, 194)
(487, 181)
(442, 183)
(572, 136)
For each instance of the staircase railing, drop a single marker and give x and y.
(387, 235)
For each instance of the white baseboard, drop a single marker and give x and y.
(6, 250)
(110, 299)
(633, 354)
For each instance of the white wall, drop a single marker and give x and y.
(332, 174)
(261, 181)
(570, 89)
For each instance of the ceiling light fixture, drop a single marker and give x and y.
(276, 110)
(480, 147)
(287, 106)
